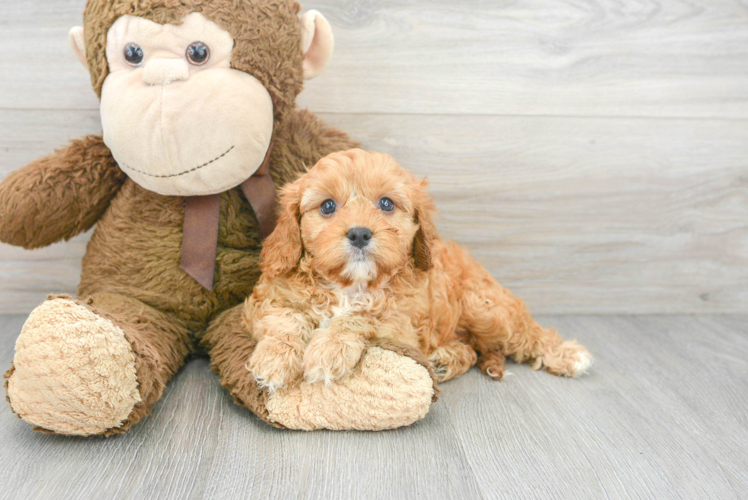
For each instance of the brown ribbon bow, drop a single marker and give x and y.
(202, 214)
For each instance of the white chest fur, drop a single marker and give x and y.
(347, 301)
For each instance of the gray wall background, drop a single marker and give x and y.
(593, 154)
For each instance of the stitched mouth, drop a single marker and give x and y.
(180, 173)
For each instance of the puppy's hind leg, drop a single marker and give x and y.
(492, 364)
(500, 322)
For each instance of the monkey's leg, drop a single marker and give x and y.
(500, 322)
(392, 386)
(93, 366)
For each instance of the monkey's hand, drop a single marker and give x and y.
(60, 195)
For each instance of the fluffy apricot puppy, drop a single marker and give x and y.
(355, 257)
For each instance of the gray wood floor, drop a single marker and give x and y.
(663, 414)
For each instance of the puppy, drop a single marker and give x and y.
(355, 257)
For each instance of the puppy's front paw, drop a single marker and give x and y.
(452, 360)
(276, 362)
(329, 357)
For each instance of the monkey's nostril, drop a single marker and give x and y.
(359, 236)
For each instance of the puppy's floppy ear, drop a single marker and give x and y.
(423, 241)
(282, 249)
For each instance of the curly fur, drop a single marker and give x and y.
(320, 300)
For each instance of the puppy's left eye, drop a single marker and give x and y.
(386, 205)
(328, 207)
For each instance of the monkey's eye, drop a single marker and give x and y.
(328, 207)
(386, 205)
(133, 54)
(198, 53)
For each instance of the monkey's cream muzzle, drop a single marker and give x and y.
(177, 128)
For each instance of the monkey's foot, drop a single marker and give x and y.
(392, 386)
(73, 372)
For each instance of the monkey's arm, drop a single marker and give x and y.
(60, 195)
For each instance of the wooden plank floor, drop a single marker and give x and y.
(663, 414)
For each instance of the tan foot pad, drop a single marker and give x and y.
(387, 391)
(74, 371)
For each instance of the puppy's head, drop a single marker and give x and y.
(358, 215)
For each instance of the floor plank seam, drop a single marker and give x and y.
(464, 453)
(466, 115)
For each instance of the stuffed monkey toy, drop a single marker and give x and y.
(199, 124)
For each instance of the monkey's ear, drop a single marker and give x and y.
(316, 43)
(78, 43)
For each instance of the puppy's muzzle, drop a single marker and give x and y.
(359, 237)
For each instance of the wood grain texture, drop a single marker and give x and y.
(341, 465)
(575, 215)
(541, 57)
(697, 368)
(635, 441)
(660, 415)
(593, 154)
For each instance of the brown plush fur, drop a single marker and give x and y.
(131, 267)
(58, 196)
(159, 342)
(321, 299)
(229, 344)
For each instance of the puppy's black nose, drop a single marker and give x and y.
(359, 236)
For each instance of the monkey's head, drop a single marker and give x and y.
(191, 90)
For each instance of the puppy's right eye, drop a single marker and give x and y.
(328, 207)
